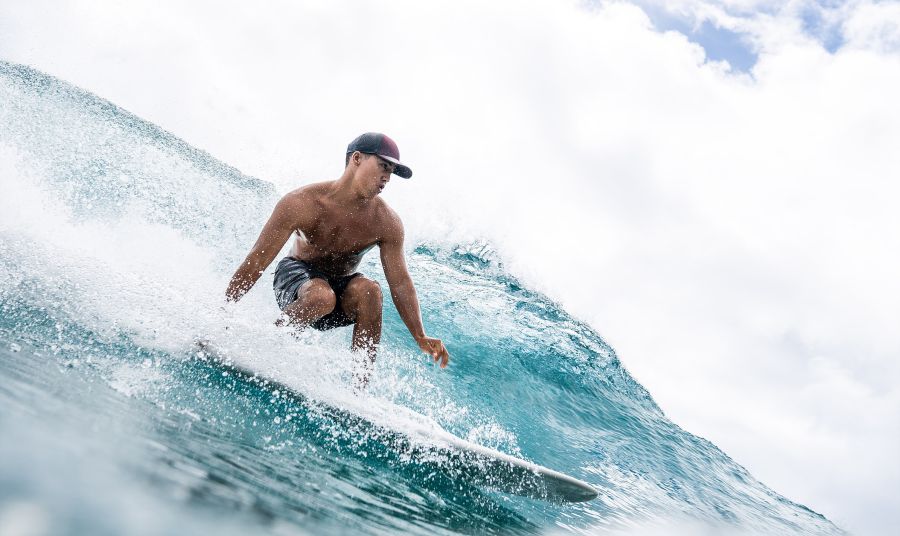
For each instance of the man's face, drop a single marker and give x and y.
(375, 172)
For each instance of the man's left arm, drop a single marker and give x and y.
(403, 293)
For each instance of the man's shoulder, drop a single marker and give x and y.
(384, 212)
(306, 195)
(311, 191)
(389, 221)
(302, 206)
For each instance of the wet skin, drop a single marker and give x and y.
(334, 224)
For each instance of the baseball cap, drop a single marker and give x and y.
(380, 144)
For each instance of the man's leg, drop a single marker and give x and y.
(315, 299)
(361, 301)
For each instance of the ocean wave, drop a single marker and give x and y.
(116, 242)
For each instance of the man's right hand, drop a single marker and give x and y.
(435, 348)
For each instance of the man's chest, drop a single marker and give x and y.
(339, 232)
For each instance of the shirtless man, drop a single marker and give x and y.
(335, 223)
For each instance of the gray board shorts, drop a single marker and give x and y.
(291, 274)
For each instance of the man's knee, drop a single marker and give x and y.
(365, 293)
(371, 291)
(317, 295)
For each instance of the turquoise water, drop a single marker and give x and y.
(116, 242)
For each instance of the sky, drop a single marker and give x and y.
(710, 185)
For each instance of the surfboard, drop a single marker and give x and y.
(510, 474)
(478, 464)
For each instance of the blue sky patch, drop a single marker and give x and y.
(815, 25)
(723, 44)
(719, 43)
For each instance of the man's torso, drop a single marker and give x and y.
(337, 238)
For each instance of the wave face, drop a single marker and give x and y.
(116, 242)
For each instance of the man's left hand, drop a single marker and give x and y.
(435, 348)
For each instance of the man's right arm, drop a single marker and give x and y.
(275, 233)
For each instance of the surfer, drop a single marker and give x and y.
(334, 223)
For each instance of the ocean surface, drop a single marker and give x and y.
(116, 242)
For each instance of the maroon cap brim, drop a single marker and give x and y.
(399, 169)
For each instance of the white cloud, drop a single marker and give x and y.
(874, 26)
(734, 237)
